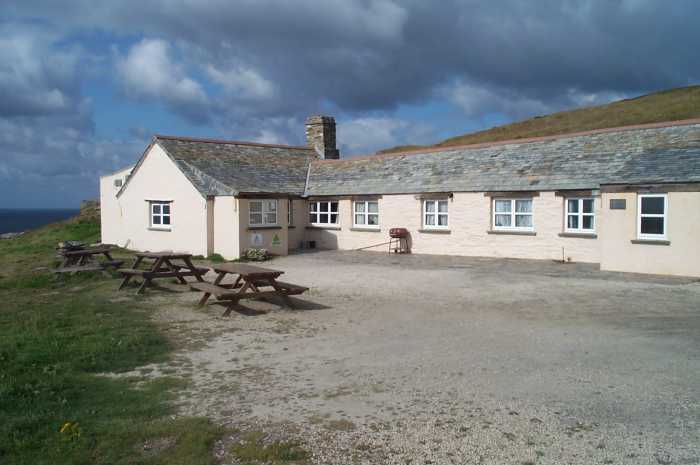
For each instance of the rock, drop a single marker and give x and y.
(10, 235)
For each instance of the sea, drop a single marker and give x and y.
(18, 220)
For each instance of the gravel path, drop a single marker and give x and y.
(442, 360)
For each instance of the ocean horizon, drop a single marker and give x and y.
(24, 219)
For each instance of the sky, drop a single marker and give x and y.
(84, 85)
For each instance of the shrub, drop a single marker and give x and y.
(256, 255)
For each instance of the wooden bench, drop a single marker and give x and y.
(83, 259)
(161, 265)
(220, 292)
(291, 289)
(246, 286)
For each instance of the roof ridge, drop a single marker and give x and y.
(229, 142)
(527, 140)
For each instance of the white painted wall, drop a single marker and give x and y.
(158, 178)
(469, 221)
(226, 230)
(619, 227)
(111, 216)
(296, 231)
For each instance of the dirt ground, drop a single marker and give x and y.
(446, 360)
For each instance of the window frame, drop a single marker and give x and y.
(366, 214)
(640, 216)
(513, 214)
(290, 212)
(580, 214)
(329, 212)
(151, 215)
(263, 213)
(436, 213)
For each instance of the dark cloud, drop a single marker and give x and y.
(255, 69)
(365, 55)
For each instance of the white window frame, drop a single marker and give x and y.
(640, 215)
(264, 211)
(580, 214)
(318, 212)
(513, 214)
(290, 212)
(160, 215)
(436, 213)
(365, 214)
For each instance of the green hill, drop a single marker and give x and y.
(668, 105)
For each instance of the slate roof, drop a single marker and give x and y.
(660, 153)
(233, 168)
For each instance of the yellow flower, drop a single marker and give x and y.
(65, 427)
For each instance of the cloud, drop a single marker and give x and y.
(366, 135)
(242, 82)
(479, 100)
(254, 69)
(50, 153)
(149, 72)
(37, 77)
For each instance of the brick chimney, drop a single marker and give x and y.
(320, 135)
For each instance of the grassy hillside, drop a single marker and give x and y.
(57, 334)
(670, 105)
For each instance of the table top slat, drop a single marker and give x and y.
(168, 255)
(93, 251)
(244, 269)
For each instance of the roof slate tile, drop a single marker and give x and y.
(666, 154)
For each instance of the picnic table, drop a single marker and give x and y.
(156, 265)
(83, 259)
(249, 280)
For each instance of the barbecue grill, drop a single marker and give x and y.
(398, 240)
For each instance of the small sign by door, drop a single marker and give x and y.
(256, 239)
(276, 240)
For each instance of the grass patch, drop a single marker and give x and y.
(253, 450)
(57, 334)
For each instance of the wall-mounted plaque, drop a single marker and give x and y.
(618, 204)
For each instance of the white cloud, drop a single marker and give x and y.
(36, 76)
(479, 100)
(242, 82)
(148, 71)
(270, 136)
(476, 101)
(368, 134)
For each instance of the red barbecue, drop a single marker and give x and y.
(398, 240)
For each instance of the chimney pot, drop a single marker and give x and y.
(320, 135)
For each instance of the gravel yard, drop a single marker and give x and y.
(447, 360)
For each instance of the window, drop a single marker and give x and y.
(290, 212)
(652, 212)
(323, 213)
(513, 214)
(579, 215)
(263, 212)
(435, 215)
(366, 214)
(160, 215)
